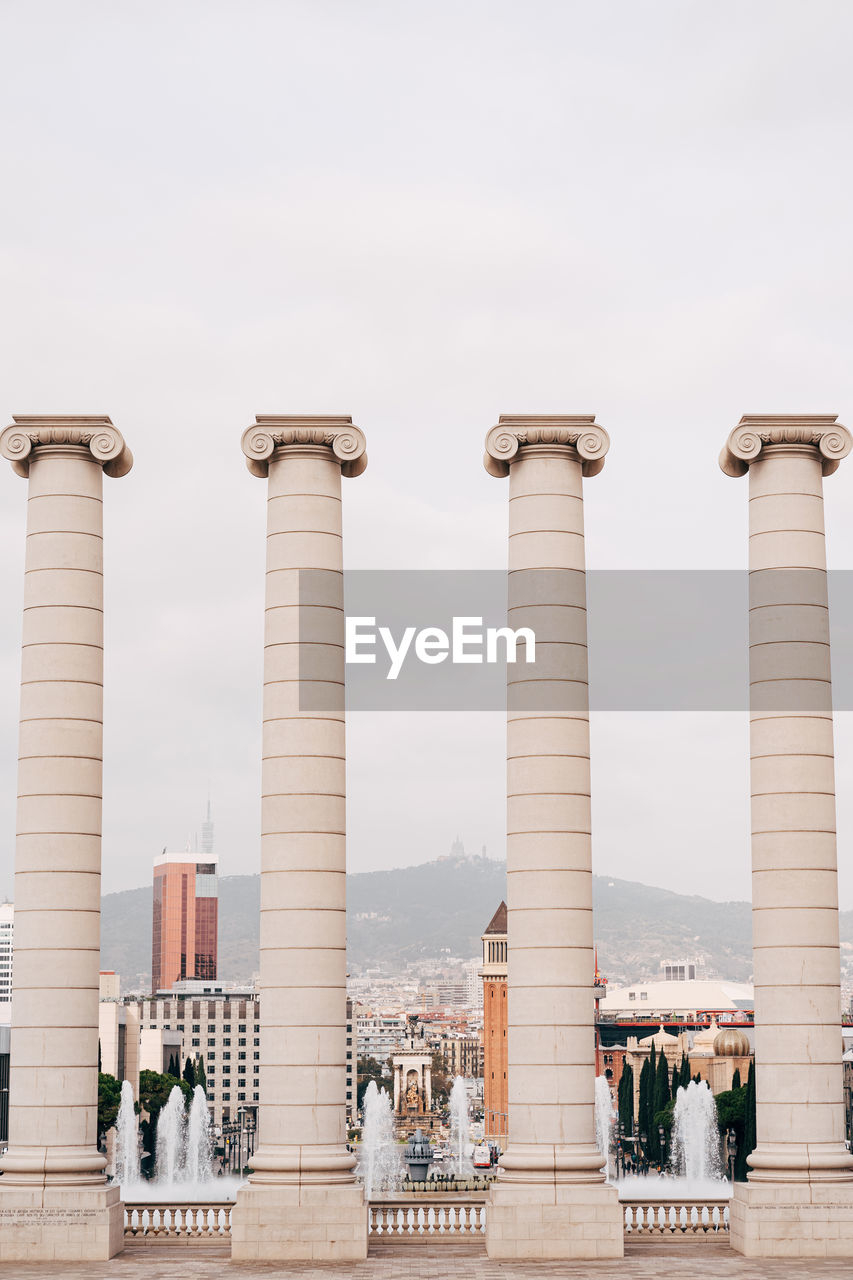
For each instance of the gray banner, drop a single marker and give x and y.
(657, 641)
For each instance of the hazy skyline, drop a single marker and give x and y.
(423, 217)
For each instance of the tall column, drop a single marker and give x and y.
(302, 1177)
(799, 1197)
(550, 1199)
(54, 1200)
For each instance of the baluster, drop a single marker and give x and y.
(726, 1218)
(629, 1219)
(705, 1217)
(715, 1218)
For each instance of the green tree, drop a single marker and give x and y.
(154, 1091)
(748, 1144)
(626, 1100)
(109, 1098)
(189, 1073)
(442, 1082)
(683, 1075)
(200, 1073)
(660, 1097)
(644, 1101)
(736, 1084)
(367, 1069)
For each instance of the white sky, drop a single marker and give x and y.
(423, 215)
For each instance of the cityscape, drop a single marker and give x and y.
(426, 661)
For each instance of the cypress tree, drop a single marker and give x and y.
(626, 1100)
(684, 1073)
(749, 1140)
(644, 1102)
(660, 1098)
(189, 1073)
(736, 1084)
(201, 1074)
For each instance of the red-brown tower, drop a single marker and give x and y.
(185, 918)
(495, 1053)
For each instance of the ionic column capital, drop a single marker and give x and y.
(755, 431)
(577, 432)
(93, 432)
(272, 431)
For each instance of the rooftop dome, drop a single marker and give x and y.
(731, 1042)
(703, 1041)
(660, 1037)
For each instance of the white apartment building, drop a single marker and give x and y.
(378, 1036)
(223, 1028)
(220, 1027)
(7, 933)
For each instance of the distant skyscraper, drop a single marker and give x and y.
(207, 832)
(7, 932)
(185, 917)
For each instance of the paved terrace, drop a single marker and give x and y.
(689, 1260)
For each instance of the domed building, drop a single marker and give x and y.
(718, 1052)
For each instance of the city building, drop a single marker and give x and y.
(109, 984)
(378, 1036)
(352, 1065)
(463, 1055)
(683, 970)
(676, 999)
(7, 933)
(185, 918)
(220, 1027)
(494, 975)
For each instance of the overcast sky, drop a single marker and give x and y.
(425, 216)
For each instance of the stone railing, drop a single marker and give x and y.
(658, 1217)
(409, 1219)
(177, 1223)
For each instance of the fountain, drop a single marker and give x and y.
(127, 1138)
(696, 1136)
(418, 1156)
(379, 1165)
(198, 1165)
(171, 1139)
(604, 1117)
(183, 1155)
(459, 1123)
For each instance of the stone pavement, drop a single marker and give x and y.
(644, 1260)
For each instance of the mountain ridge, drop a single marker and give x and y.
(424, 912)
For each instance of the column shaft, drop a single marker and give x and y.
(303, 860)
(549, 1199)
(551, 1061)
(800, 1111)
(53, 1115)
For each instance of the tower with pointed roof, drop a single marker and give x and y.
(493, 973)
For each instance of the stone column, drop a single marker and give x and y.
(53, 1169)
(550, 1199)
(302, 1177)
(799, 1197)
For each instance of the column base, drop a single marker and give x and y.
(293, 1222)
(792, 1220)
(46, 1223)
(553, 1220)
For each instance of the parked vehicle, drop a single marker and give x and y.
(482, 1158)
